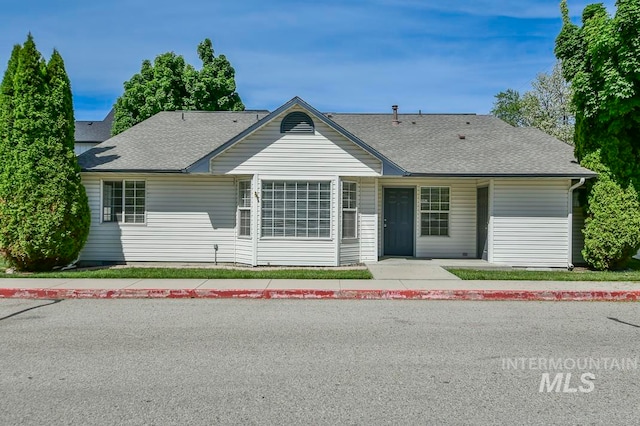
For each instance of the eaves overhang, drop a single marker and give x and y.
(505, 175)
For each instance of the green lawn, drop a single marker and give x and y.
(631, 274)
(203, 273)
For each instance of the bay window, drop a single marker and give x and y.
(296, 209)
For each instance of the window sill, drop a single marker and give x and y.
(294, 239)
(122, 224)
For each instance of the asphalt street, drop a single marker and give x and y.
(135, 362)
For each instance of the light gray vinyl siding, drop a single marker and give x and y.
(530, 222)
(368, 220)
(185, 217)
(290, 252)
(364, 248)
(349, 252)
(325, 152)
(461, 241)
(350, 247)
(80, 147)
(244, 250)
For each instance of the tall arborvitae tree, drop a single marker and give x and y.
(6, 122)
(6, 98)
(72, 217)
(601, 59)
(44, 213)
(170, 84)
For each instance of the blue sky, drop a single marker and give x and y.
(343, 56)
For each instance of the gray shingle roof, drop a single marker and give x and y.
(462, 144)
(422, 144)
(166, 142)
(94, 131)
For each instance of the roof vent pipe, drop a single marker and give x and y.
(395, 121)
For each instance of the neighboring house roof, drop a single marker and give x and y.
(94, 131)
(421, 144)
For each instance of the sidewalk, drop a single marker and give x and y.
(406, 289)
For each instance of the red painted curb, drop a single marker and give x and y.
(524, 295)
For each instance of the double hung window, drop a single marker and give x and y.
(124, 201)
(434, 210)
(349, 211)
(244, 208)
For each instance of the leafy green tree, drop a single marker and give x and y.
(612, 229)
(44, 213)
(215, 89)
(170, 84)
(508, 106)
(601, 60)
(546, 106)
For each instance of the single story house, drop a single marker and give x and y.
(299, 187)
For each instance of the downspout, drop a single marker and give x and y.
(570, 251)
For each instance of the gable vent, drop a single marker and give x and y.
(297, 122)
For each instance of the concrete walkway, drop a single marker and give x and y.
(398, 288)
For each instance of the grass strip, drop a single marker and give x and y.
(523, 275)
(203, 273)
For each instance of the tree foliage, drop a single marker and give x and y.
(601, 60)
(612, 229)
(170, 84)
(546, 106)
(44, 212)
(508, 106)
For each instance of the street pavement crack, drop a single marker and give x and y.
(53, 302)
(623, 322)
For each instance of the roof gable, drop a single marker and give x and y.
(270, 150)
(202, 165)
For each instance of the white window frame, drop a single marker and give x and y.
(122, 220)
(317, 216)
(436, 211)
(353, 210)
(244, 206)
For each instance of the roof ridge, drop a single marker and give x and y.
(402, 113)
(246, 111)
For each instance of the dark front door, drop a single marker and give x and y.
(398, 223)
(482, 222)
